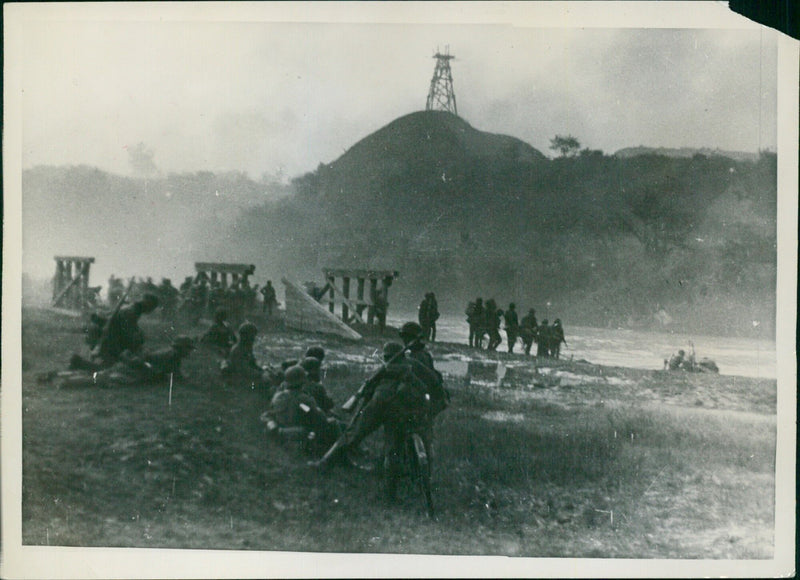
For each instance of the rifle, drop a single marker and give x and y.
(363, 390)
(114, 313)
(360, 398)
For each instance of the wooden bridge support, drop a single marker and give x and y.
(218, 271)
(71, 282)
(353, 308)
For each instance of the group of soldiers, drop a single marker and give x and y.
(485, 320)
(406, 390)
(198, 296)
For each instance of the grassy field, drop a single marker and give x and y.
(616, 463)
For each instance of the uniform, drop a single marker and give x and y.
(512, 326)
(293, 414)
(527, 329)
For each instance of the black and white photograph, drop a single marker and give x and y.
(398, 289)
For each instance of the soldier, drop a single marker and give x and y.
(241, 363)
(422, 365)
(313, 385)
(424, 316)
(492, 324)
(198, 293)
(398, 400)
(150, 286)
(381, 306)
(527, 329)
(433, 316)
(141, 368)
(185, 287)
(220, 335)
(280, 375)
(475, 315)
(558, 337)
(677, 361)
(270, 300)
(512, 326)
(317, 352)
(116, 289)
(216, 296)
(543, 338)
(294, 415)
(168, 297)
(118, 334)
(93, 297)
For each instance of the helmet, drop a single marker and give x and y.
(288, 363)
(295, 376)
(410, 331)
(310, 364)
(392, 349)
(220, 315)
(183, 342)
(248, 330)
(316, 351)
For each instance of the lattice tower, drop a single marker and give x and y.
(441, 96)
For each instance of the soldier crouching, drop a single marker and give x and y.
(294, 416)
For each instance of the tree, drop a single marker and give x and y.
(568, 146)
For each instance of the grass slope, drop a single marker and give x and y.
(627, 466)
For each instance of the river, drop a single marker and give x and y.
(748, 357)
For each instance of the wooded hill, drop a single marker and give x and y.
(608, 240)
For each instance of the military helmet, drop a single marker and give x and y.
(410, 331)
(311, 364)
(220, 315)
(316, 351)
(289, 363)
(183, 342)
(295, 376)
(392, 349)
(544, 322)
(248, 330)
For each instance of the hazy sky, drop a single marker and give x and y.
(265, 96)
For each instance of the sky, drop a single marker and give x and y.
(267, 97)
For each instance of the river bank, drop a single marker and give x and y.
(532, 458)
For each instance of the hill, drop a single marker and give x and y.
(683, 243)
(607, 240)
(685, 152)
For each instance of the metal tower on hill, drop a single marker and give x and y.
(441, 96)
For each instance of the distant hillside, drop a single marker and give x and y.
(605, 239)
(685, 152)
(671, 242)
